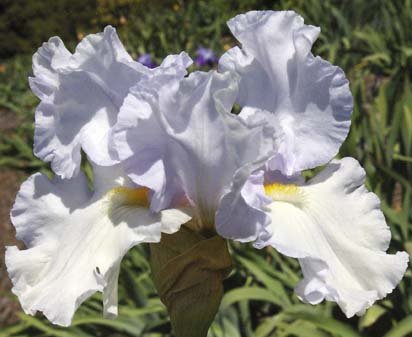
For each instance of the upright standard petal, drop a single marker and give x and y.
(81, 94)
(182, 133)
(306, 99)
(76, 240)
(334, 226)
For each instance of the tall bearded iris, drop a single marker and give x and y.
(331, 223)
(167, 151)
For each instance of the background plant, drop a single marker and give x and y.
(370, 40)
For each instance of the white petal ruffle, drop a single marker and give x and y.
(241, 215)
(75, 242)
(81, 94)
(336, 229)
(179, 137)
(306, 99)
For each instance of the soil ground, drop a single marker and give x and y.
(9, 184)
(10, 181)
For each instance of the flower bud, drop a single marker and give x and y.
(188, 270)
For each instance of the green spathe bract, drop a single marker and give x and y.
(188, 270)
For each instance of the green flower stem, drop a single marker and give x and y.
(188, 270)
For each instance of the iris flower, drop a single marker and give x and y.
(167, 149)
(205, 57)
(146, 60)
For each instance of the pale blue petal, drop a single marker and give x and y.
(242, 213)
(306, 99)
(81, 94)
(182, 133)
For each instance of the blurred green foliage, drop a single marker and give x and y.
(25, 24)
(370, 40)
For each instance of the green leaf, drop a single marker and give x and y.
(371, 316)
(275, 287)
(249, 294)
(324, 323)
(402, 329)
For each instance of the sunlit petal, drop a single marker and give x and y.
(76, 240)
(241, 214)
(81, 94)
(179, 138)
(306, 99)
(336, 229)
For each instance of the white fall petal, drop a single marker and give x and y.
(81, 94)
(336, 229)
(76, 240)
(305, 98)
